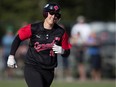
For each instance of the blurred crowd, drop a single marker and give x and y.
(92, 54)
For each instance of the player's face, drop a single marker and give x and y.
(52, 17)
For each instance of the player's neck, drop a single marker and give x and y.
(47, 25)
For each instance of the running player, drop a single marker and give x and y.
(47, 39)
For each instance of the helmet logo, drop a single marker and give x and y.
(46, 5)
(56, 8)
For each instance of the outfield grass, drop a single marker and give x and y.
(21, 83)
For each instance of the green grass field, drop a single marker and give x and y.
(21, 83)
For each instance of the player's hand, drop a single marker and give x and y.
(58, 49)
(11, 62)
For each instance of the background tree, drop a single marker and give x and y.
(14, 12)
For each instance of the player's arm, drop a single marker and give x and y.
(23, 34)
(64, 49)
(66, 53)
(11, 61)
(15, 45)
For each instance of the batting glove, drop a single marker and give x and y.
(58, 49)
(11, 62)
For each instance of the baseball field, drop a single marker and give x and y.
(21, 83)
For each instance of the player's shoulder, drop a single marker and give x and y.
(36, 26)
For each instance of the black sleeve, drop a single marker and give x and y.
(15, 45)
(66, 53)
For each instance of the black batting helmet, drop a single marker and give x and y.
(51, 7)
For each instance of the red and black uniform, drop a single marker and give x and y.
(40, 55)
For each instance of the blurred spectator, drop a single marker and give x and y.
(79, 34)
(82, 27)
(93, 50)
(6, 46)
(104, 36)
(78, 46)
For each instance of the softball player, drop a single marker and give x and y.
(47, 39)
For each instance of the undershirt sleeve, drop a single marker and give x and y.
(66, 53)
(15, 45)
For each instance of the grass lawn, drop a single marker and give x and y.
(21, 83)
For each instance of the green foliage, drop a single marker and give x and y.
(31, 10)
(22, 10)
(14, 12)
